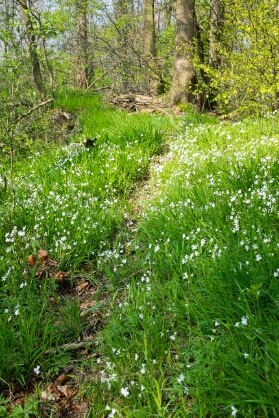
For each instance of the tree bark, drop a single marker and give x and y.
(215, 32)
(155, 82)
(184, 75)
(82, 44)
(32, 46)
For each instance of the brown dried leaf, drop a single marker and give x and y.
(52, 263)
(80, 408)
(43, 257)
(51, 388)
(60, 276)
(82, 287)
(47, 396)
(87, 305)
(41, 273)
(31, 260)
(63, 378)
(67, 392)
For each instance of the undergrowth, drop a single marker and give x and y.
(69, 201)
(186, 244)
(196, 330)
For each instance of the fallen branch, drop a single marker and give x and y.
(70, 346)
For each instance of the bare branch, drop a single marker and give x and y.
(32, 110)
(99, 78)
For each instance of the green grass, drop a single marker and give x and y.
(202, 297)
(69, 201)
(185, 245)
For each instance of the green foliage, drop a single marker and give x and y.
(69, 201)
(196, 327)
(247, 79)
(190, 261)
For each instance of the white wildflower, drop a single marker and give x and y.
(125, 392)
(181, 378)
(234, 411)
(37, 370)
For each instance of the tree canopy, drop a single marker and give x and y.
(216, 54)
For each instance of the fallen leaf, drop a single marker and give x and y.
(82, 287)
(19, 401)
(80, 408)
(31, 260)
(60, 276)
(67, 392)
(41, 273)
(47, 396)
(43, 257)
(52, 263)
(63, 378)
(51, 388)
(87, 305)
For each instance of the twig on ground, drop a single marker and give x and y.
(70, 346)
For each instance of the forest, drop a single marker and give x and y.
(139, 206)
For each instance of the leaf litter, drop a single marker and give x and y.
(62, 394)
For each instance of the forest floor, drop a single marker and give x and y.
(140, 266)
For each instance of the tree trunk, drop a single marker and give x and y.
(184, 75)
(215, 32)
(155, 82)
(82, 44)
(32, 45)
(149, 28)
(168, 13)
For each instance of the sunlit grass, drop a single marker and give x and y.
(187, 243)
(201, 297)
(69, 201)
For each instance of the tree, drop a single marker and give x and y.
(247, 78)
(184, 75)
(216, 21)
(155, 81)
(82, 43)
(32, 46)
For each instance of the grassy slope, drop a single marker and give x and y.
(193, 324)
(197, 330)
(70, 202)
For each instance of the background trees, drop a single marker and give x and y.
(214, 53)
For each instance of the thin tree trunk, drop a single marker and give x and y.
(82, 44)
(155, 82)
(149, 28)
(32, 45)
(184, 76)
(215, 32)
(168, 13)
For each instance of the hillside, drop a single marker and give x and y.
(140, 272)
